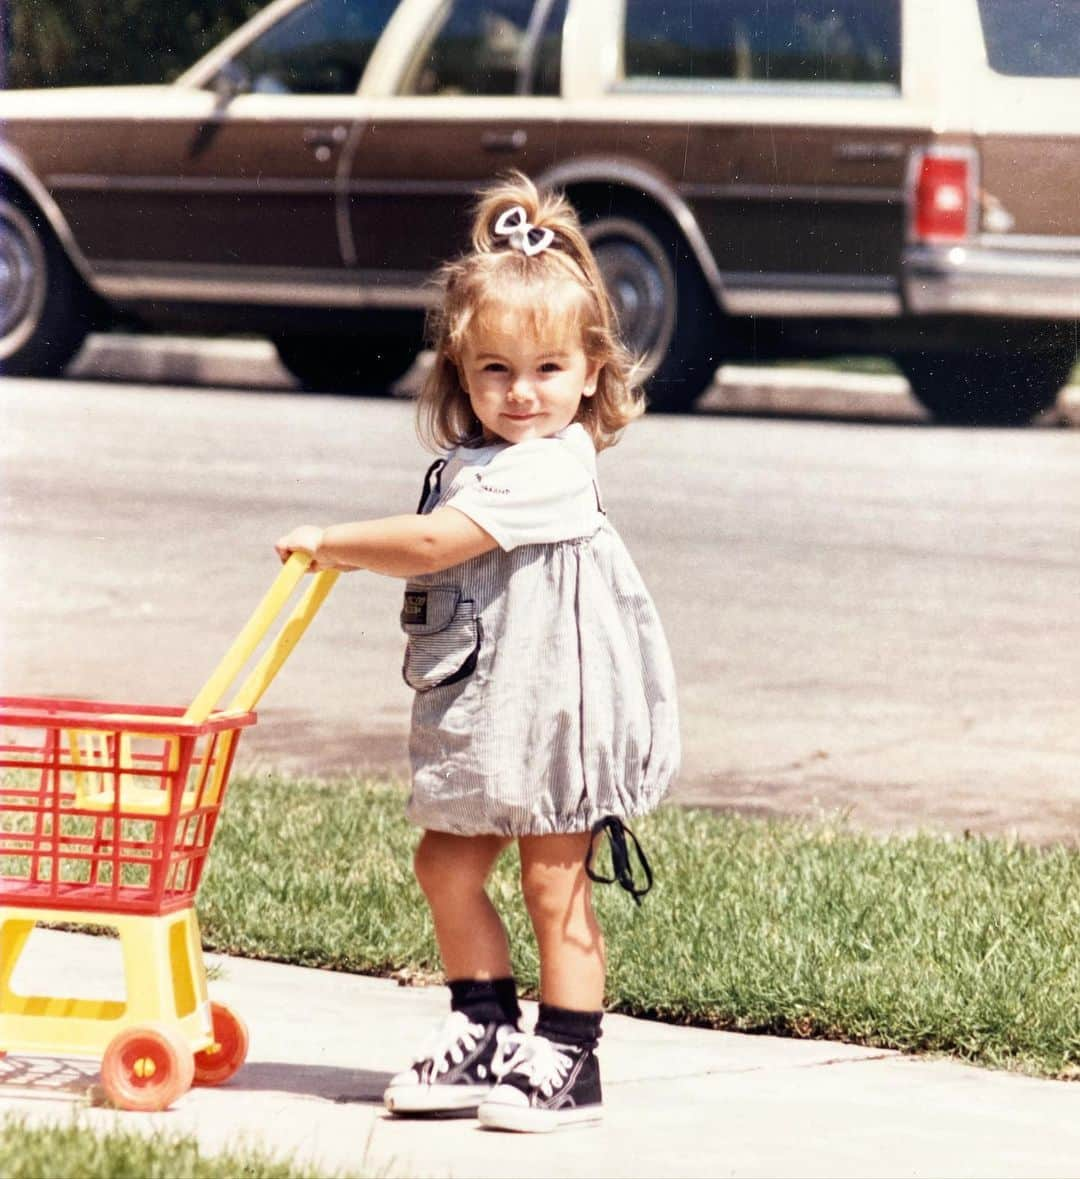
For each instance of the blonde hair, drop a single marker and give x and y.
(558, 289)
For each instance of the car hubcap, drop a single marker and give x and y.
(641, 286)
(22, 278)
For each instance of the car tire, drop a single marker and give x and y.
(667, 313)
(44, 316)
(368, 359)
(987, 388)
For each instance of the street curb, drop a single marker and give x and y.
(818, 392)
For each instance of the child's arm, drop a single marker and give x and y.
(399, 546)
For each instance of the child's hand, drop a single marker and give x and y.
(305, 539)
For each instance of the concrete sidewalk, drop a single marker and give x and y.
(738, 389)
(679, 1101)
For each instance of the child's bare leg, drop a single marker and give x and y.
(454, 1070)
(452, 871)
(553, 1077)
(558, 896)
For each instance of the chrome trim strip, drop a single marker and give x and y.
(805, 296)
(356, 289)
(977, 281)
(734, 87)
(1039, 242)
(391, 187)
(13, 163)
(82, 182)
(794, 192)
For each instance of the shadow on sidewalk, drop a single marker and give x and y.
(49, 1077)
(342, 1085)
(46, 1076)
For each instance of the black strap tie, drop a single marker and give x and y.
(617, 831)
(432, 483)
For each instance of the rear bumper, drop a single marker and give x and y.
(983, 280)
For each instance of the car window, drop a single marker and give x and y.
(802, 41)
(492, 47)
(1032, 38)
(322, 47)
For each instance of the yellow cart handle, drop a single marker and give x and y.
(250, 691)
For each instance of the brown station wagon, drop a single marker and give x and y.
(760, 178)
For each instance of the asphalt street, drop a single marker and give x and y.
(868, 614)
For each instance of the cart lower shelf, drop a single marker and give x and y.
(155, 1042)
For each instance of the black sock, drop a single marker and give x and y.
(506, 993)
(563, 1026)
(485, 1000)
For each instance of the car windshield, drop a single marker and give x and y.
(1032, 38)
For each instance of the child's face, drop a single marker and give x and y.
(522, 387)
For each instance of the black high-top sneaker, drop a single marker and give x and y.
(453, 1072)
(543, 1085)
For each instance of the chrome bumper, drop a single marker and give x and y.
(986, 280)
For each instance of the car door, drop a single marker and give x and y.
(476, 95)
(795, 141)
(229, 191)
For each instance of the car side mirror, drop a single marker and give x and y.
(232, 79)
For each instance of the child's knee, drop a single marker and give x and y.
(448, 866)
(550, 892)
(429, 867)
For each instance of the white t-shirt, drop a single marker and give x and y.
(535, 492)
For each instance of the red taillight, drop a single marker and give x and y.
(943, 197)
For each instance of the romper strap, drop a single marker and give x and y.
(623, 874)
(432, 483)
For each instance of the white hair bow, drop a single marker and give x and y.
(528, 238)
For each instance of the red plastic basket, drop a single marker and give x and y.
(111, 807)
(108, 807)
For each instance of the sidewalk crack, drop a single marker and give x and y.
(753, 1068)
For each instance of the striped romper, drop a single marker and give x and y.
(545, 696)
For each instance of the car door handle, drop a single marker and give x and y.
(504, 140)
(328, 137)
(323, 140)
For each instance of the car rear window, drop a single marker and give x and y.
(781, 41)
(1032, 38)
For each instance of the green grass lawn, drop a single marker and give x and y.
(30, 1151)
(966, 947)
(924, 944)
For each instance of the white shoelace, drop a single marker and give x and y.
(448, 1043)
(540, 1061)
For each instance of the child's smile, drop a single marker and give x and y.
(521, 387)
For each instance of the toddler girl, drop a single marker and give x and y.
(545, 700)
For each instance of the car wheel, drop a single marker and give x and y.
(366, 360)
(43, 314)
(987, 389)
(667, 314)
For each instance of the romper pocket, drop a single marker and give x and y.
(443, 636)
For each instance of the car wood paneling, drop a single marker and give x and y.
(812, 200)
(412, 182)
(1034, 179)
(179, 191)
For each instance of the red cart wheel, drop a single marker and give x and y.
(147, 1068)
(216, 1064)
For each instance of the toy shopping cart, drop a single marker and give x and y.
(107, 813)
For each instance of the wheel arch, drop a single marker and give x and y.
(638, 186)
(17, 175)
